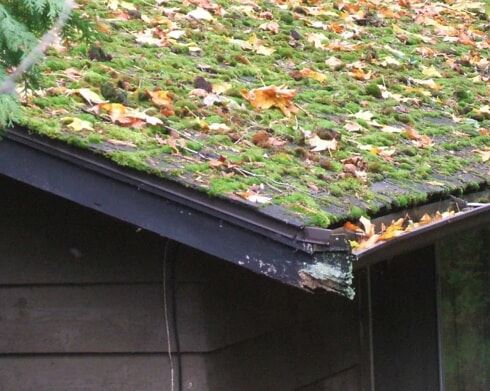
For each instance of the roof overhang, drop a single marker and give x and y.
(306, 257)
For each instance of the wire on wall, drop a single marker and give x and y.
(169, 262)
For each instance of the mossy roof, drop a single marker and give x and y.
(378, 104)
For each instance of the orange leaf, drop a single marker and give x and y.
(359, 74)
(272, 96)
(114, 110)
(352, 227)
(163, 100)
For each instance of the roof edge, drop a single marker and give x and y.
(98, 184)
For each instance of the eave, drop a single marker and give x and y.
(292, 254)
(305, 257)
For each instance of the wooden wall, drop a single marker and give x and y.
(81, 308)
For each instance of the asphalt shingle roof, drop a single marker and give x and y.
(314, 111)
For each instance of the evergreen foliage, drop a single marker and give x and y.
(22, 23)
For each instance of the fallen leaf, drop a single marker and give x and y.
(394, 230)
(221, 88)
(221, 128)
(125, 116)
(390, 61)
(270, 26)
(427, 83)
(484, 154)
(114, 110)
(309, 73)
(355, 166)
(418, 140)
(368, 226)
(318, 144)
(272, 96)
(391, 129)
(352, 227)
(334, 63)
(359, 74)
(163, 100)
(122, 143)
(90, 97)
(200, 14)
(254, 197)
(430, 71)
(316, 39)
(353, 127)
(263, 139)
(77, 124)
(364, 115)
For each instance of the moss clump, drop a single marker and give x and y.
(223, 186)
(374, 90)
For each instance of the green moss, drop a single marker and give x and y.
(222, 186)
(356, 212)
(54, 102)
(374, 90)
(96, 78)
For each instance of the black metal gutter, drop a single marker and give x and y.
(424, 236)
(293, 254)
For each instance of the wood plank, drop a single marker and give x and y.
(130, 318)
(68, 244)
(288, 358)
(404, 323)
(81, 319)
(98, 373)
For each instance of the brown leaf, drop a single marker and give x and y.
(419, 140)
(265, 140)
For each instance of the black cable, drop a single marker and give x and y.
(173, 287)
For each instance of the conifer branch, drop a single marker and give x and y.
(7, 86)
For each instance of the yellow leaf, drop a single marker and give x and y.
(160, 98)
(430, 71)
(307, 72)
(114, 110)
(77, 124)
(221, 88)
